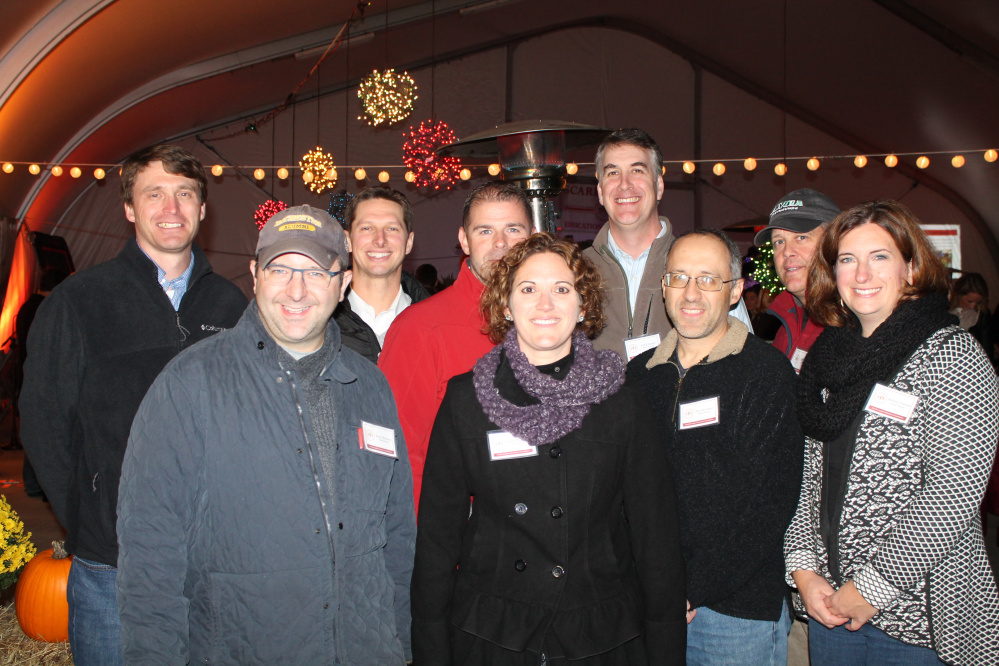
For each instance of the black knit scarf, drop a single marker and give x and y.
(594, 376)
(847, 365)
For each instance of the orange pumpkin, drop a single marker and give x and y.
(40, 598)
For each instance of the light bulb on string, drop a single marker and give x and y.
(360, 174)
(217, 170)
(75, 172)
(410, 176)
(56, 171)
(34, 169)
(688, 167)
(8, 167)
(718, 169)
(780, 169)
(571, 168)
(891, 161)
(99, 173)
(749, 164)
(860, 161)
(464, 174)
(282, 173)
(383, 176)
(922, 161)
(494, 169)
(957, 161)
(991, 155)
(813, 164)
(259, 174)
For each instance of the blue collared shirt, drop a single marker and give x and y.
(177, 287)
(633, 267)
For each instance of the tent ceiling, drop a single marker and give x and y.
(89, 81)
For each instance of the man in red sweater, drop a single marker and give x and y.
(795, 228)
(434, 340)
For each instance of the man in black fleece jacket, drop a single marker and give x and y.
(97, 344)
(725, 404)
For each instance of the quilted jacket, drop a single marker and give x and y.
(910, 536)
(233, 548)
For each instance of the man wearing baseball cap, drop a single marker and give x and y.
(795, 228)
(266, 503)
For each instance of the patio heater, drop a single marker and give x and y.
(531, 153)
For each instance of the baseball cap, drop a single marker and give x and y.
(801, 211)
(303, 230)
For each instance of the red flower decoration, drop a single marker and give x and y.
(266, 210)
(418, 155)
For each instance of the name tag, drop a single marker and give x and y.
(698, 414)
(504, 446)
(891, 403)
(635, 346)
(797, 358)
(377, 439)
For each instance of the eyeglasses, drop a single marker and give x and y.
(704, 282)
(279, 275)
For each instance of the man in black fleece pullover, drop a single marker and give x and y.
(725, 404)
(97, 344)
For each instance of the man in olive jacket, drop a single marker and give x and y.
(266, 507)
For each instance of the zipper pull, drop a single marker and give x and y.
(183, 331)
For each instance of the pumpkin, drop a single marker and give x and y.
(40, 598)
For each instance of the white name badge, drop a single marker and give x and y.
(698, 414)
(504, 446)
(797, 358)
(891, 403)
(635, 346)
(377, 439)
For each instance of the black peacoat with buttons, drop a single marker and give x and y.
(575, 550)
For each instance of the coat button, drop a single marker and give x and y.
(520, 508)
(280, 379)
(325, 606)
(558, 571)
(317, 531)
(555, 452)
(520, 565)
(557, 512)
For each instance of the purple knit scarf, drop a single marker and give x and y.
(593, 377)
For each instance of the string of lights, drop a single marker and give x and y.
(957, 159)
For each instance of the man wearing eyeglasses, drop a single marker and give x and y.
(266, 505)
(726, 405)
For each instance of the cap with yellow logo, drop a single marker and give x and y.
(303, 230)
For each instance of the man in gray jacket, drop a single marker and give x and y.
(630, 249)
(266, 503)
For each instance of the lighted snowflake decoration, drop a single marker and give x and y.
(266, 210)
(318, 170)
(338, 204)
(386, 97)
(430, 169)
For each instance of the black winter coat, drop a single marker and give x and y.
(357, 335)
(577, 547)
(97, 343)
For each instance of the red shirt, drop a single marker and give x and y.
(797, 332)
(428, 344)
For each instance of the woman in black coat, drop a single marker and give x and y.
(548, 530)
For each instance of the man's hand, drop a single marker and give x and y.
(848, 602)
(815, 592)
(691, 614)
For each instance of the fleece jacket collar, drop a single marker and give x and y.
(730, 344)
